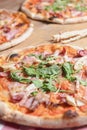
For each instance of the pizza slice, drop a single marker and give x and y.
(57, 11)
(44, 86)
(14, 28)
(69, 36)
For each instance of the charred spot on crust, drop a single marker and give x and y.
(52, 17)
(14, 55)
(70, 114)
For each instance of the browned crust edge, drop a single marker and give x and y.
(20, 118)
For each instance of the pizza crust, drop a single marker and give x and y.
(76, 20)
(17, 40)
(54, 20)
(67, 37)
(14, 116)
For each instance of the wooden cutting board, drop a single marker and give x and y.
(42, 30)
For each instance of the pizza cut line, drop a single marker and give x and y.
(56, 11)
(44, 86)
(15, 27)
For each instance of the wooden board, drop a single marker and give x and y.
(42, 31)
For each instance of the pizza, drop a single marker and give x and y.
(44, 86)
(69, 36)
(57, 11)
(14, 28)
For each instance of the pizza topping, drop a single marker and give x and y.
(15, 76)
(3, 74)
(17, 97)
(30, 103)
(2, 39)
(73, 101)
(19, 24)
(12, 25)
(10, 35)
(57, 5)
(8, 66)
(82, 53)
(6, 29)
(68, 71)
(30, 60)
(33, 101)
(47, 78)
(80, 7)
(80, 63)
(70, 114)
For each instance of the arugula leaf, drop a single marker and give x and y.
(68, 71)
(49, 58)
(21, 79)
(58, 5)
(30, 71)
(67, 68)
(46, 72)
(49, 87)
(81, 8)
(38, 83)
(34, 93)
(62, 91)
(43, 71)
(84, 83)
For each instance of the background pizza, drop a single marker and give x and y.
(57, 11)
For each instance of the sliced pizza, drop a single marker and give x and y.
(69, 36)
(57, 11)
(44, 86)
(15, 27)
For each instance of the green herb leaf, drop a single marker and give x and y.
(79, 7)
(49, 87)
(18, 78)
(62, 91)
(84, 83)
(38, 83)
(68, 71)
(46, 72)
(58, 5)
(30, 71)
(34, 93)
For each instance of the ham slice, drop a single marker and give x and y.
(30, 60)
(3, 74)
(17, 97)
(10, 35)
